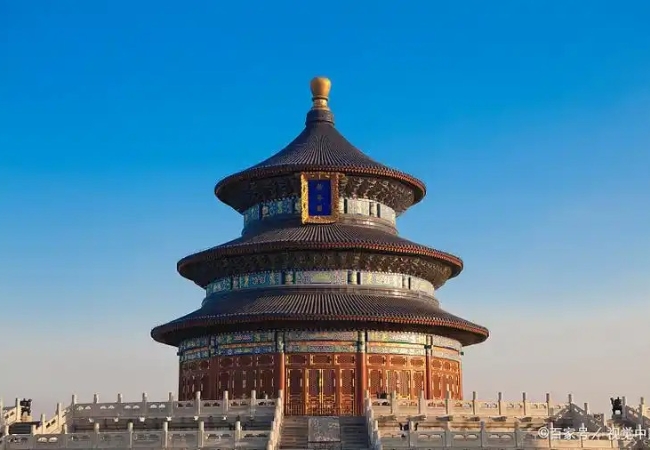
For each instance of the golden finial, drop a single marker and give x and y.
(320, 91)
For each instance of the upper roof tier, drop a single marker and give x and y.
(320, 148)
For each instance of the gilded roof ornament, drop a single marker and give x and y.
(320, 91)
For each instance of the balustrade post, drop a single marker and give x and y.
(59, 413)
(474, 401)
(5, 430)
(42, 427)
(201, 434)
(197, 402)
(642, 412)
(2, 412)
(32, 430)
(393, 402)
(500, 403)
(422, 404)
(226, 402)
(165, 434)
(145, 400)
(483, 435)
(548, 404)
(96, 434)
(171, 404)
(95, 398)
(448, 403)
(253, 404)
(519, 442)
(570, 400)
(237, 431)
(524, 399)
(19, 414)
(129, 429)
(449, 441)
(624, 403)
(409, 434)
(120, 399)
(64, 435)
(586, 406)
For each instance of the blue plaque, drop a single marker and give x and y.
(320, 197)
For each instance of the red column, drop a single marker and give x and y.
(280, 375)
(361, 380)
(427, 373)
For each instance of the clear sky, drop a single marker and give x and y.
(528, 120)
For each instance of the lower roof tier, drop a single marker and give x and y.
(315, 307)
(241, 255)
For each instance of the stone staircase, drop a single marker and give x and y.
(294, 433)
(354, 433)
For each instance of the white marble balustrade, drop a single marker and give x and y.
(171, 408)
(155, 439)
(9, 414)
(393, 406)
(482, 438)
(276, 425)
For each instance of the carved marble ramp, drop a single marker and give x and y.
(324, 433)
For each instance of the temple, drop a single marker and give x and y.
(321, 328)
(320, 296)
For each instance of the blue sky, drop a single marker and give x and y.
(528, 121)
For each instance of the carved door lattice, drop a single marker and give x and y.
(320, 392)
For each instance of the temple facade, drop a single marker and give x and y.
(321, 309)
(320, 297)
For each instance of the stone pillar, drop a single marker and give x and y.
(524, 400)
(474, 399)
(165, 434)
(201, 434)
(96, 434)
(171, 404)
(500, 403)
(197, 402)
(642, 413)
(483, 435)
(129, 429)
(226, 402)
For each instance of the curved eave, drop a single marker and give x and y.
(184, 265)
(172, 333)
(223, 189)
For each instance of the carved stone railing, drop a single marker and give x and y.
(146, 409)
(393, 406)
(583, 418)
(639, 416)
(276, 425)
(53, 433)
(9, 414)
(374, 437)
(483, 438)
(157, 439)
